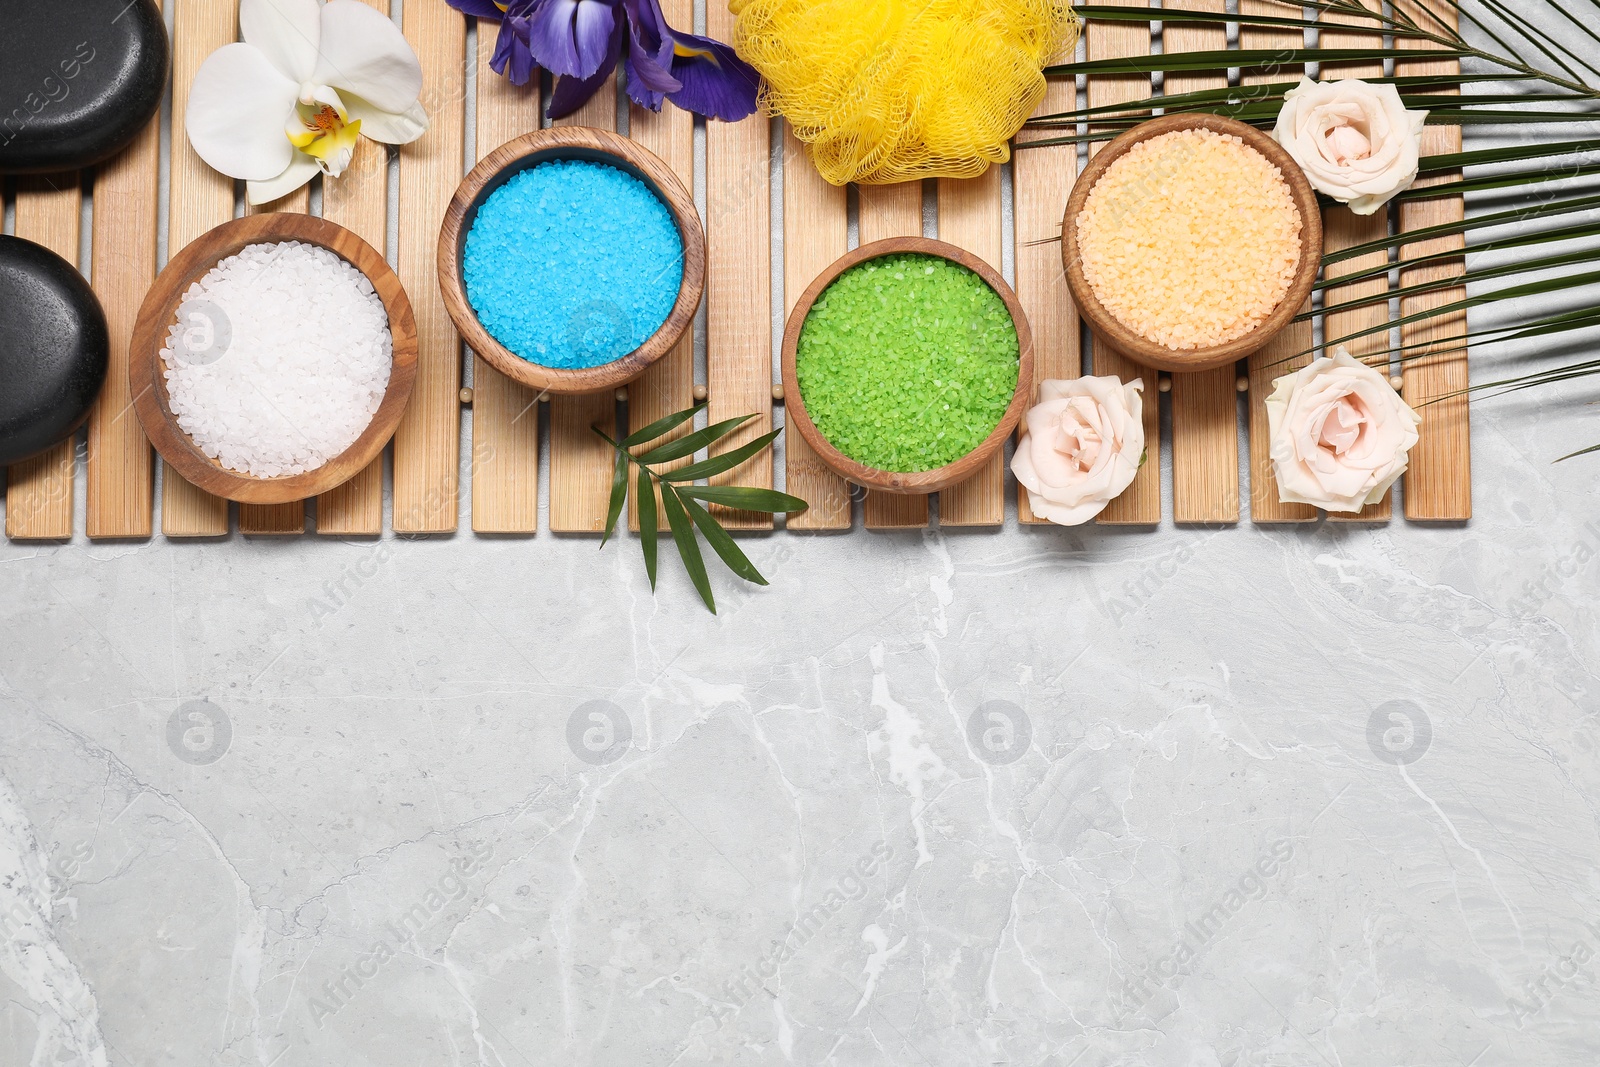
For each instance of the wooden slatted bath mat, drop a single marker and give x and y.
(505, 438)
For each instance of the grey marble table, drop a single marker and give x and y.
(1244, 796)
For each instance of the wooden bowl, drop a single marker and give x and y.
(596, 146)
(159, 312)
(1141, 350)
(929, 481)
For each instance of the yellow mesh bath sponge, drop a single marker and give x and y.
(890, 90)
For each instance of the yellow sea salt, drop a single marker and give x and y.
(1190, 239)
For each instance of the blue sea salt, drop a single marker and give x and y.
(573, 264)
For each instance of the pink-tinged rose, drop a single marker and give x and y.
(1355, 141)
(1082, 446)
(1340, 434)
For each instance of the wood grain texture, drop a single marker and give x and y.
(816, 232)
(505, 413)
(198, 199)
(1205, 404)
(1274, 360)
(739, 287)
(580, 462)
(120, 497)
(666, 386)
(970, 218)
(39, 490)
(1140, 504)
(286, 519)
(884, 211)
(427, 446)
(358, 200)
(1438, 483)
(1343, 228)
(159, 311)
(1042, 180)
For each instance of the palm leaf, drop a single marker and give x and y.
(647, 524)
(723, 544)
(708, 468)
(689, 444)
(662, 427)
(745, 498)
(688, 547)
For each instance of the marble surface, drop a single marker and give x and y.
(1241, 796)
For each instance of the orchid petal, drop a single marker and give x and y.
(364, 52)
(237, 108)
(300, 169)
(288, 32)
(386, 126)
(716, 82)
(572, 93)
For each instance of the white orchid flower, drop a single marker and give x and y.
(292, 97)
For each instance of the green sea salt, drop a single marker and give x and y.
(907, 362)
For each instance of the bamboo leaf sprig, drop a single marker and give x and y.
(648, 469)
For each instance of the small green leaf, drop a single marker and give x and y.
(746, 498)
(619, 496)
(647, 525)
(725, 462)
(688, 547)
(689, 444)
(724, 544)
(661, 426)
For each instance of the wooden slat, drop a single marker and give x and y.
(739, 286)
(970, 216)
(277, 520)
(816, 232)
(668, 386)
(505, 413)
(1042, 180)
(1268, 364)
(198, 199)
(1205, 405)
(1438, 484)
(580, 462)
(39, 489)
(120, 498)
(1140, 504)
(884, 211)
(358, 200)
(427, 446)
(1343, 228)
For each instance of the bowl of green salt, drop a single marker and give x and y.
(907, 364)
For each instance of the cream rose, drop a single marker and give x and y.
(1340, 434)
(1356, 142)
(1081, 447)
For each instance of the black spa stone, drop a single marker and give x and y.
(53, 348)
(78, 80)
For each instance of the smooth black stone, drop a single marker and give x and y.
(53, 348)
(78, 80)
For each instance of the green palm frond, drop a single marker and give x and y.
(1516, 71)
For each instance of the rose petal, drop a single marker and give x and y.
(288, 32)
(238, 104)
(365, 53)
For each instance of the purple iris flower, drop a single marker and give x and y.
(581, 41)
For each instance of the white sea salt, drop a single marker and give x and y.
(293, 364)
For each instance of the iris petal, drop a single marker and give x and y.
(550, 36)
(483, 9)
(572, 93)
(716, 82)
(593, 28)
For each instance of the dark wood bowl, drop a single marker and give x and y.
(1109, 329)
(542, 146)
(930, 481)
(159, 312)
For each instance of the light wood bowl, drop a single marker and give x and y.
(907, 482)
(159, 312)
(598, 146)
(1141, 350)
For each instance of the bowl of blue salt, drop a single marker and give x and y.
(571, 259)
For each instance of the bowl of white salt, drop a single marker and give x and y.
(273, 358)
